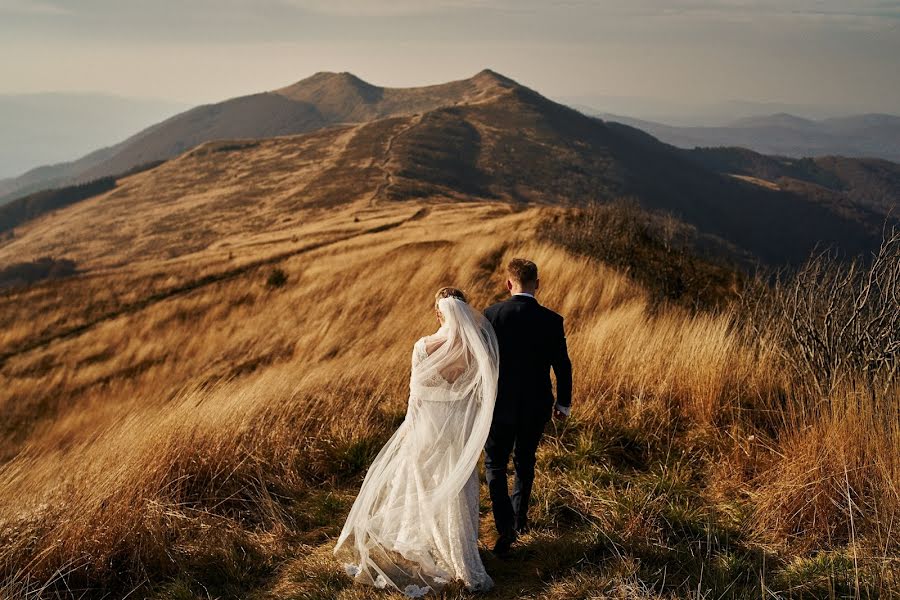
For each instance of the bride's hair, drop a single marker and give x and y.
(449, 292)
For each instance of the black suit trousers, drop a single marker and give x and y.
(521, 440)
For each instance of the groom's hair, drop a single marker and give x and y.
(522, 271)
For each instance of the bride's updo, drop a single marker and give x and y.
(449, 292)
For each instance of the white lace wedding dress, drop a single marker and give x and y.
(414, 524)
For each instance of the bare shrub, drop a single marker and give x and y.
(835, 328)
(657, 250)
(276, 279)
(26, 273)
(838, 323)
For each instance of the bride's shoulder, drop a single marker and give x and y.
(419, 346)
(424, 346)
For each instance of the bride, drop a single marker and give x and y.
(414, 524)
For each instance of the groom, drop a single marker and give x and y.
(531, 342)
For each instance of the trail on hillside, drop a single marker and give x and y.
(388, 176)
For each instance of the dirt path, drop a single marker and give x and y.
(388, 176)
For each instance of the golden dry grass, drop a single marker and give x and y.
(757, 181)
(204, 434)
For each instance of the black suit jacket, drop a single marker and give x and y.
(532, 341)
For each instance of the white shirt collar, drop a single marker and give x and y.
(524, 294)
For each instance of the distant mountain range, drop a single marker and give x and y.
(699, 113)
(48, 128)
(863, 136)
(339, 140)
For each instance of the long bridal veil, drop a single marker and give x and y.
(414, 524)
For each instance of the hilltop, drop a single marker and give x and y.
(319, 101)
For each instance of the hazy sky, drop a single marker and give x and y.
(817, 52)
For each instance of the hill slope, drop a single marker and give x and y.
(191, 412)
(175, 425)
(852, 186)
(489, 139)
(318, 101)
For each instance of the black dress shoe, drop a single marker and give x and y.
(523, 528)
(503, 543)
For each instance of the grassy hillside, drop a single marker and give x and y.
(332, 139)
(190, 402)
(180, 423)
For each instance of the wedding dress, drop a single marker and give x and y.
(414, 524)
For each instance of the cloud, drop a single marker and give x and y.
(859, 15)
(837, 11)
(396, 8)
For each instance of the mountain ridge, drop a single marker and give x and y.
(486, 138)
(321, 100)
(871, 135)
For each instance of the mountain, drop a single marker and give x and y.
(322, 100)
(483, 138)
(46, 128)
(852, 186)
(863, 136)
(199, 360)
(774, 121)
(698, 113)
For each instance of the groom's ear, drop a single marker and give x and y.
(537, 283)
(509, 284)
